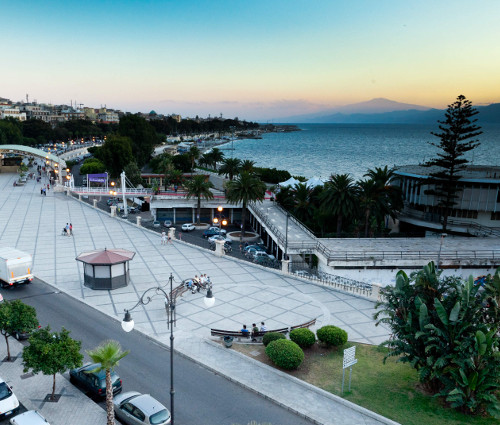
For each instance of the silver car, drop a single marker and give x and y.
(134, 408)
(31, 417)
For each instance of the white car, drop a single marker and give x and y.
(134, 408)
(9, 404)
(156, 223)
(188, 227)
(219, 238)
(31, 417)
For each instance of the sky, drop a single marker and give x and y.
(255, 60)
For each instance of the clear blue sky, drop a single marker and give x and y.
(252, 59)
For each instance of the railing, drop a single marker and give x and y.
(104, 191)
(414, 255)
(342, 283)
(297, 222)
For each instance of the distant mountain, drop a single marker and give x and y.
(385, 111)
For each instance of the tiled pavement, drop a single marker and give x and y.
(244, 293)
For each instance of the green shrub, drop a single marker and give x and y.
(271, 336)
(285, 353)
(332, 335)
(304, 338)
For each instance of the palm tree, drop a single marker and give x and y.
(167, 167)
(108, 354)
(389, 198)
(199, 187)
(368, 198)
(246, 188)
(176, 177)
(230, 166)
(339, 198)
(303, 208)
(247, 166)
(216, 155)
(193, 154)
(205, 159)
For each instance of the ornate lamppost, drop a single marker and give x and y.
(146, 298)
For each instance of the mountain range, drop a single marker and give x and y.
(385, 111)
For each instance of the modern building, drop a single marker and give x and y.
(477, 208)
(12, 113)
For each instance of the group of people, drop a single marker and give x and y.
(165, 239)
(255, 330)
(68, 229)
(197, 283)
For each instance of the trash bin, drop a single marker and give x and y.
(228, 341)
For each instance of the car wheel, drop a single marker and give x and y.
(72, 380)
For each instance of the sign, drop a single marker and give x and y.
(349, 357)
(348, 362)
(98, 178)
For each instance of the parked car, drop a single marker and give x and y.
(250, 252)
(219, 238)
(210, 232)
(167, 223)
(256, 247)
(216, 229)
(9, 404)
(262, 254)
(156, 223)
(112, 201)
(134, 408)
(188, 227)
(31, 417)
(94, 383)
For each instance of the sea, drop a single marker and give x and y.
(320, 150)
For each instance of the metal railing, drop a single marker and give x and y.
(104, 191)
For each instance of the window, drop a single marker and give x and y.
(495, 215)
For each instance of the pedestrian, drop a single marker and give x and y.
(44, 192)
(41, 191)
(255, 332)
(169, 239)
(263, 327)
(163, 238)
(70, 229)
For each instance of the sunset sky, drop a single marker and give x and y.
(259, 59)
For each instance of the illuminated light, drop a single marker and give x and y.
(224, 222)
(68, 177)
(219, 208)
(12, 274)
(216, 220)
(29, 271)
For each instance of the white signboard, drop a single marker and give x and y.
(349, 357)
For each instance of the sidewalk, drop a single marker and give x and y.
(73, 408)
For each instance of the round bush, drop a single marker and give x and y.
(304, 338)
(271, 336)
(332, 336)
(285, 353)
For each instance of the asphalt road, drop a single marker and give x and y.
(201, 396)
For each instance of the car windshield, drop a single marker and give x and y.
(5, 391)
(160, 417)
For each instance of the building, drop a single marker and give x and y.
(36, 112)
(477, 209)
(12, 113)
(107, 116)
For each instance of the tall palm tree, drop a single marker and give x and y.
(199, 187)
(230, 166)
(205, 159)
(108, 354)
(246, 188)
(176, 177)
(248, 166)
(303, 208)
(339, 198)
(167, 167)
(389, 198)
(193, 154)
(368, 198)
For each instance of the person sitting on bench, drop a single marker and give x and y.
(245, 331)
(255, 332)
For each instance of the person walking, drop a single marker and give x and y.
(67, 229)
(70, 229)
(163, 238)
(169, 239)
(180, 236)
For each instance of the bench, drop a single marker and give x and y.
(304, 325)
(245, 335)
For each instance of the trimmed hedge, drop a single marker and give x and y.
(303, 337)
(285, 353)
(332, 335)
(271, 336)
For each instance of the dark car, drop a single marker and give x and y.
(210, 232)
(94, 383)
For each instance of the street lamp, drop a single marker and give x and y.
(443, 235)
(220, 220)
(146, 298)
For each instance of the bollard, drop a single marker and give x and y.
(139, 221)
(79, 196)
(219, 248)
(171, 233)
(95, 203)
(113, 210)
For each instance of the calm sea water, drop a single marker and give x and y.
(324, 149)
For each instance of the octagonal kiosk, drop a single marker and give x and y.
(106, 269)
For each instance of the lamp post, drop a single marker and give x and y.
(286, 236)
(220, 220)
(146, 298)
(443, 235)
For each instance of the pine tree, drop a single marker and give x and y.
(457, 136)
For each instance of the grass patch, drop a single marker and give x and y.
(390, 389)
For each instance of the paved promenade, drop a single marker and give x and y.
(244, 293)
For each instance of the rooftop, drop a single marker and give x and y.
(477, 173)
